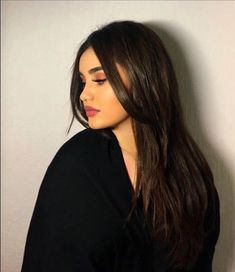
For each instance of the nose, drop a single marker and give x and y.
(86, 94)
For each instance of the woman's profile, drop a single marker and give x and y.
(132, 191)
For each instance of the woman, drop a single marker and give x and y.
(131, 192)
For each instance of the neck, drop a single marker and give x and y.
(125, 136)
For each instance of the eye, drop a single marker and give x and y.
(99, 81)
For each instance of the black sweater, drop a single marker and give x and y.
(79, 220)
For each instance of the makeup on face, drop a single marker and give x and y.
(90, 111)
(100, 102)
(97, 74)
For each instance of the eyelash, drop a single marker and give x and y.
(98, 81)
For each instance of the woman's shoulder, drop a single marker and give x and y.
(81, 147)
(75, 162)
(82, 152)
(85, 140)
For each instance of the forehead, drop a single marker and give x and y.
(89, 64)
(88, 60)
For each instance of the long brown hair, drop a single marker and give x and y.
(173, 177)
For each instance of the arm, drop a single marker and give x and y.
(56, 239)
(212, 225)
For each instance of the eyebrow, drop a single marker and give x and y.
(93, 70)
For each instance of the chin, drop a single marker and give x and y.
(97, 126)
(102, 124)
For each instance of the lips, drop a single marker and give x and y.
(90, 111)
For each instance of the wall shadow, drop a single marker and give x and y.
(173, 39)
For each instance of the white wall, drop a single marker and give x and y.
(39, 43)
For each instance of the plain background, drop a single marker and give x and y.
(39, 44)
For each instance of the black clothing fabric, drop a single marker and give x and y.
(79, 219)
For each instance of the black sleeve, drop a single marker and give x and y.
(212, 227)
(57, 238)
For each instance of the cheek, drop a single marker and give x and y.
(113, 108)
(116, 115)
(108, 102)
(112, 113)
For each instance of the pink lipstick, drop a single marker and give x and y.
(90, 111)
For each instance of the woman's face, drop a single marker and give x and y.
(98, 93)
